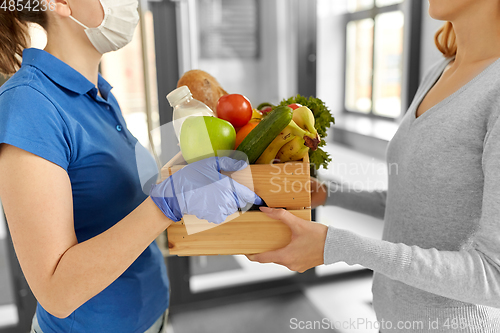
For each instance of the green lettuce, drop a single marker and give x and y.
(323, 120)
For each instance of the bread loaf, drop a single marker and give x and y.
(203, 86)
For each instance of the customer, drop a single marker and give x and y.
(437, 268)
(82, 227)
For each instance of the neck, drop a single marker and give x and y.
(82, 58)
(477, 35)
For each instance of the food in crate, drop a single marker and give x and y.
(304, 133)
(279, 141)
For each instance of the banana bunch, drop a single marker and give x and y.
(294, 150)
(294, 142)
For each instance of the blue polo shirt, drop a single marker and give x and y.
(49, 109)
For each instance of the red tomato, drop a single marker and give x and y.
(294, 106)
(234, 108)
(266, 109)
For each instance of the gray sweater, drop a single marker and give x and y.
(437, 268)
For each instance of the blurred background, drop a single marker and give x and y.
(363, 58)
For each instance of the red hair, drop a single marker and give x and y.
(446, 40)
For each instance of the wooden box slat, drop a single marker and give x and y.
(251, 232)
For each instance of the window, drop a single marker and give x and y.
(229, 29)
(374, 57)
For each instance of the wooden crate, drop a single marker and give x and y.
(281, 185)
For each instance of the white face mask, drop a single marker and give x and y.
(117, 28)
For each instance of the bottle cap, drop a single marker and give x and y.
(178, 94)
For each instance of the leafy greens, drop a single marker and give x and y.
(323, 120)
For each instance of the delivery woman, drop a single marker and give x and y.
(82, 226)
(437, 268)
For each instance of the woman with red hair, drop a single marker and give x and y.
(437, 268)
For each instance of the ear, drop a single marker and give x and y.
(60, 7)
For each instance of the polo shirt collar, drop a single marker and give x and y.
(104, 87)
(61, 73)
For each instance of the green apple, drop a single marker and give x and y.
(204, 136)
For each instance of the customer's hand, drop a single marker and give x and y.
(319, 193)
(306, 247)
(200, 189)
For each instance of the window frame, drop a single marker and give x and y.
(411, 53)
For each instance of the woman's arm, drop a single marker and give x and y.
(319, 193)
(62, 273)
(470, 275)
(330, 193)
(371, 203)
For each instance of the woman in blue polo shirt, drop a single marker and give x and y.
(82, 226)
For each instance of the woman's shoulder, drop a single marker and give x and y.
(492, 76)
(490, 87)
(25, 105)
(25, 86)
(25, 93)
(29, 119)
(436, 68)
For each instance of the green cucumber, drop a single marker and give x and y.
(265, 132)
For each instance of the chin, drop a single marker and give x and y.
(450, 10)
(441, 9)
